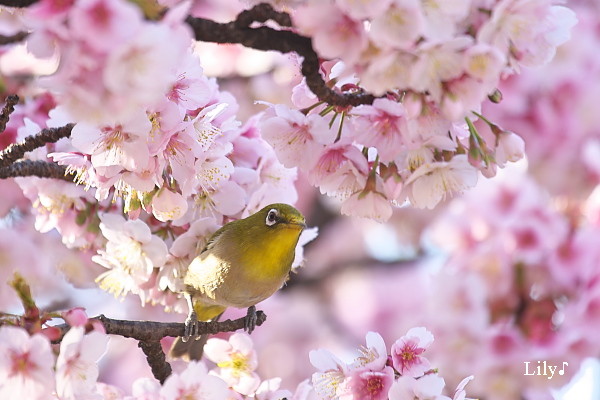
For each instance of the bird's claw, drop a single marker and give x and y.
(191, 327)
(250, 319)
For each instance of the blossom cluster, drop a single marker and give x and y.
(160, 134)
(455, 51)
(154, 138)
(157, 139)
(30, 369)
(553, 111)
(375, 375)
(433, 64)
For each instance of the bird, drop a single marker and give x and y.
(242, 264)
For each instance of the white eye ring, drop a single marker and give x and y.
(271, 217)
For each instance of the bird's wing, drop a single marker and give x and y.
(211, 242)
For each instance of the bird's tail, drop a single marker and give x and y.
(190, 350)
(193, 348)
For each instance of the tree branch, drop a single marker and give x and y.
(17, 150)
(9, 107)
(41, 169)
(17, 3)
(17, 37)
(149, 331)
(155, 356)
(284, 41)
(262, 13)
(149, 334)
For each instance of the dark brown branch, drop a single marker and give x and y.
(150, 330)
(153, 331)
(9, 107)
(262, 13)
(265, 38)
(49, 135)
(161, 369)
(41, 169)
(16, 38)
(149, 334)
(17, 3)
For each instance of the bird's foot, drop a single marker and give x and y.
(250, 319)
(191, 327)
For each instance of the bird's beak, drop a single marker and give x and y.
(300, 222)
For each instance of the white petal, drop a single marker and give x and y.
(217, 350)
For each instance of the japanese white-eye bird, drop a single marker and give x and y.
(242, 264)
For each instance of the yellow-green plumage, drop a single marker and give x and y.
(243, 263)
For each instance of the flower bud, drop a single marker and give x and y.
(511, 147)
(496, 96)
(168, 205)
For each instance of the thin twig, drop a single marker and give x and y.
(284, 41)
(49, 135)
(9, 107)
(161, 369)
(41, 169)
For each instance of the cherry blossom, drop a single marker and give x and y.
(341, 170)
(101, 23)
(76, 366)
(443, 16)
(194, 383)
(406, 352)
(335, 34)
(367, 384)
(122, 144)
(168, 205)
(400, 26)
(57, 205)
(428, 387)
(330, 381)
(383, 126)
(368, 204)
(25, 365)
(236, 360)
(131, 254)
(269, 390)
(432, 182)
(374, 355)
(360, 9)
(530, 44)
(296, 138)
(438, 62)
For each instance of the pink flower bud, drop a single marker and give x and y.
(52, 333)
(168, 205)
(75, 316)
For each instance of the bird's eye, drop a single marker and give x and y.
(271, 217)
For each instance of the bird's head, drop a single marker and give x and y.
(270, 234)
(280, 216)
